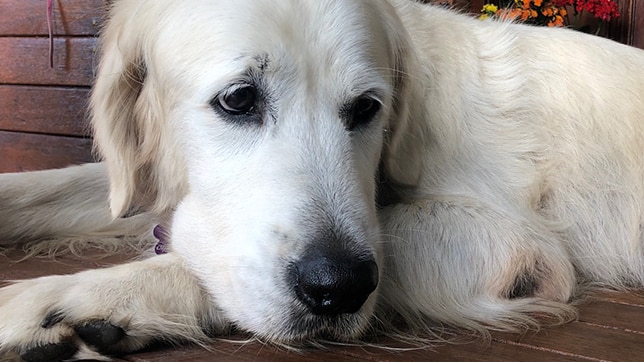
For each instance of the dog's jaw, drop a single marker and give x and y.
(248, 282)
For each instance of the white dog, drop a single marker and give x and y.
(326, 168)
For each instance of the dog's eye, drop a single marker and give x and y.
(363, 110)
(238, 101)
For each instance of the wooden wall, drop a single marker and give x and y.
(42, 109)
(629, 27)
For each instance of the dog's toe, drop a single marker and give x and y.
(100, 334)
(50, 352)
(56, 340)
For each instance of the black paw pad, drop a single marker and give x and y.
(50, 352)
(100, 334)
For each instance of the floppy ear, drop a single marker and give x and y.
(130, 123)
(403, 145)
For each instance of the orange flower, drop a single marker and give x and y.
(525, 15)
(563, 11)
(537, 3)
(559, 20)
(556, 21)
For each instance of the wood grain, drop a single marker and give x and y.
(624, 317)
(71, 17)
(599, 341)
(638, 26)
(37, 109)
(26, 61)
(28, 152)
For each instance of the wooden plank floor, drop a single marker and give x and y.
(610, 328)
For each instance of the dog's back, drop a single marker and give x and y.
(553, 116)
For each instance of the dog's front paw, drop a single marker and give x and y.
(50, 319)
(92, 339)
(89, 339)
(105, 312)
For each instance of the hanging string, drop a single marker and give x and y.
(50, 29)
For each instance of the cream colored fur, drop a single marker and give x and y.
(512, 159)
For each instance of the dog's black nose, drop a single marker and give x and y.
(333, 285)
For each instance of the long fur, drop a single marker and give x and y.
(503, 171)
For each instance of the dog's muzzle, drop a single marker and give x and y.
(332, 285)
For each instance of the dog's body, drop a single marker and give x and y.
(507, 162)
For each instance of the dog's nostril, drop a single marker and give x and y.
(332, 286)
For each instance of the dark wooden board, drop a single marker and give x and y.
(37, 109)
(234, 351)
(638, 26)
(616, 316)
(71, 17)
(26, 61)
(29, 152)
(591, 341)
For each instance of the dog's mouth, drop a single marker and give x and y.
(304, 328)
(331, 298)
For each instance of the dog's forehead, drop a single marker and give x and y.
(229, 36)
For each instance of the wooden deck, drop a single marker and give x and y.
(610, 328)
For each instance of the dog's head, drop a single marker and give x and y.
(262, 125)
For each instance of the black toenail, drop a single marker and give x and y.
(50, 352)
(52, 318)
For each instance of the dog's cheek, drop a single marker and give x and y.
(227, 266)
(198, 243)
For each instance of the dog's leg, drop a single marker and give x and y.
(69, 203)
(462, 262)
(104, 311)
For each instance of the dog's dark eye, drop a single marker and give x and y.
(363, 110)
(239, 101)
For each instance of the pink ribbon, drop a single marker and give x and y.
(50, 28)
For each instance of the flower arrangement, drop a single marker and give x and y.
(551, 12)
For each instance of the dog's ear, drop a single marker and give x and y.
(402, 154)
(129, 121)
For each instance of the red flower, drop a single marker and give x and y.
(603, 9)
